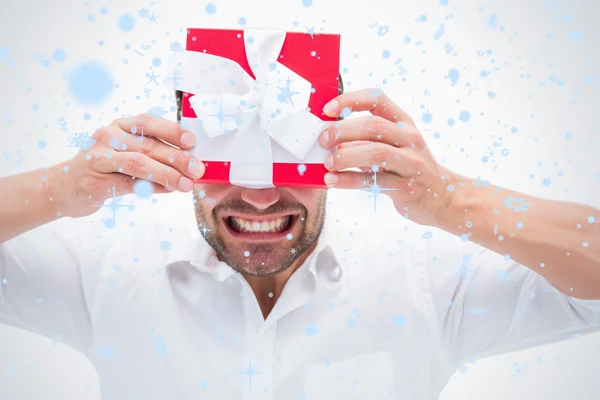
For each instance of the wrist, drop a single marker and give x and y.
(458, 201)
(52, 190)
(26, 203)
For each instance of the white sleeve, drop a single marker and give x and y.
(487, 304)
(40, 285)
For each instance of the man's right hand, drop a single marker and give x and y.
(129, 149)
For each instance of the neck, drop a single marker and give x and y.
(267, 289)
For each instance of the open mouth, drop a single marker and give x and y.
(260, 227)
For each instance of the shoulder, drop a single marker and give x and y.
(132, 257)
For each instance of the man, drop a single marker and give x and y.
(269, 303)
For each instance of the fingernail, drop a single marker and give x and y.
(330, 179)
(324, 138)
(169, 188)
(188, 139)
(330, 108)
(186, 184)
(196, 168)
(329, 162)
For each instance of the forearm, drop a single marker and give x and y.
(26, 203)
(556, 239)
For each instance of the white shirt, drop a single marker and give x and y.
(368, 316)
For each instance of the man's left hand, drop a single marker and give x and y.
(388, 145)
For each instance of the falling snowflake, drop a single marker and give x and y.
(115, 144)
(213, 260)
(157, 111)
(82, 141)
(143, 13)
(210, 202)
(63, 124)
(517, 368)
(517, 205)
(401, 69)
(383, 30)
(493, 21)
(286, 93)
(165, 245)
(504, 152)
(153, 18)
(440, 32)
(152, 77)
(427, 235)
(147, 93)
(481, 182)
(204, 229)
(176, 47)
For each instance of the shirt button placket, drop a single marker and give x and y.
(258, 362)
(258, 379)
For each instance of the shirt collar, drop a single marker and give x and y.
(192, 248)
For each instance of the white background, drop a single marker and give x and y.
(545, 85)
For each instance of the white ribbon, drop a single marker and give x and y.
(228, 101)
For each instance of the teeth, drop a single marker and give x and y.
(274, 225)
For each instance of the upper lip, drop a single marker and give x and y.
(258, 217)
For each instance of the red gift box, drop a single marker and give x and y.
(315, 57)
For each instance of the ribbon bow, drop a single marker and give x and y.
(229, 101)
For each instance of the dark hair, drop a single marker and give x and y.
(179, 94)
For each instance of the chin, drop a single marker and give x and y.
(258, 260)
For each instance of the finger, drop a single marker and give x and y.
(374, 155)
(125, 184)
(177, 158)
(160, 128)
(373, 100)
(372, 129)
(352, 144)
(143, 167)
(364, 180)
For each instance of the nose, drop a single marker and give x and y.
(260, 198)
